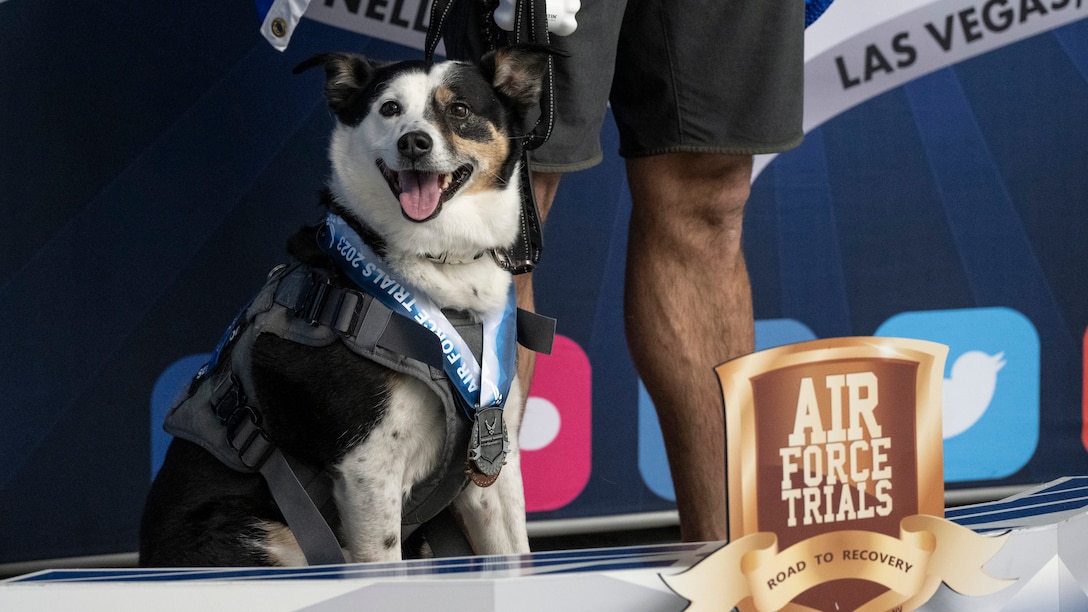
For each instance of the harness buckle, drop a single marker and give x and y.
(315, 301)
(248, 439)
(323, 303)
(227, 405)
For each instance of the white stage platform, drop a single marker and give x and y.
(1047, 554)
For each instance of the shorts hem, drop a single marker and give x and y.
(538, 166)
(720, 150)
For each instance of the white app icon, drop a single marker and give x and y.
(540, 425)
(967, 394)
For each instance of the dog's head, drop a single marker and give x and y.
(426, 154)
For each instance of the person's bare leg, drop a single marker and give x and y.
(545, 184)
(688, 308)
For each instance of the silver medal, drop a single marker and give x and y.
(489, 442)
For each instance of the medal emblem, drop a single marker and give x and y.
(487, 446)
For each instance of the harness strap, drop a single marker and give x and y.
(536, 332)
(313, 297)
(312, 532)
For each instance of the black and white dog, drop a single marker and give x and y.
(425, 168)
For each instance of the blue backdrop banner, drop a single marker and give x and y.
(156, 156)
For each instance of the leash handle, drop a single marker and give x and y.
(531, 26)
(440, 9)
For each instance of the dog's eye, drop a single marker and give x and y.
(458, 110)
(389, 109)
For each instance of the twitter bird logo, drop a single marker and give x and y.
(990, 391)
(967, 393)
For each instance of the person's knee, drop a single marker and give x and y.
(700, 197)
(721, 186)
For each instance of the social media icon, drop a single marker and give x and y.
(169, 387)
(968, 390)
(990, 392)
(653, 464)
(556, 434)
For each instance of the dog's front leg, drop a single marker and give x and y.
(374, 476)
(494, 517)
(368, 497)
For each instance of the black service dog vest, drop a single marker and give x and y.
(301, 304)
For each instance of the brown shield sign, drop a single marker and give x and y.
(836, 488)
(837, 435)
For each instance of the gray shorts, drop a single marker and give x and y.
(712, 76)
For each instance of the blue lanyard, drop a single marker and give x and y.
(481, 385)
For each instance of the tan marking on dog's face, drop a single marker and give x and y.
(443, 96)
(473, 137)
(489, 158)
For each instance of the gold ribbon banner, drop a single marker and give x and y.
(929, 550)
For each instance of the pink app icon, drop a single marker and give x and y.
(556, 435)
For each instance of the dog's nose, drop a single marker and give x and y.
(414, 145)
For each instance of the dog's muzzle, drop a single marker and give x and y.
(421, 193)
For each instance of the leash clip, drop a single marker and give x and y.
(505, 261)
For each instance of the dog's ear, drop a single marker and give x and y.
(518, 71)
(346, 75)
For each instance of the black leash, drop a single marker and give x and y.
(530, 26)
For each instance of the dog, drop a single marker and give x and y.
(425, 169)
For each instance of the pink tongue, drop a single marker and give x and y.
(419, 193)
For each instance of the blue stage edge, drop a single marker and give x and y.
(1045, 554)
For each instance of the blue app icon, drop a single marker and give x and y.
(990, 394)
(169, 387)
(652, 462)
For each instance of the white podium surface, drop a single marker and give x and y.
(1047, 554)
(1047, 550)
